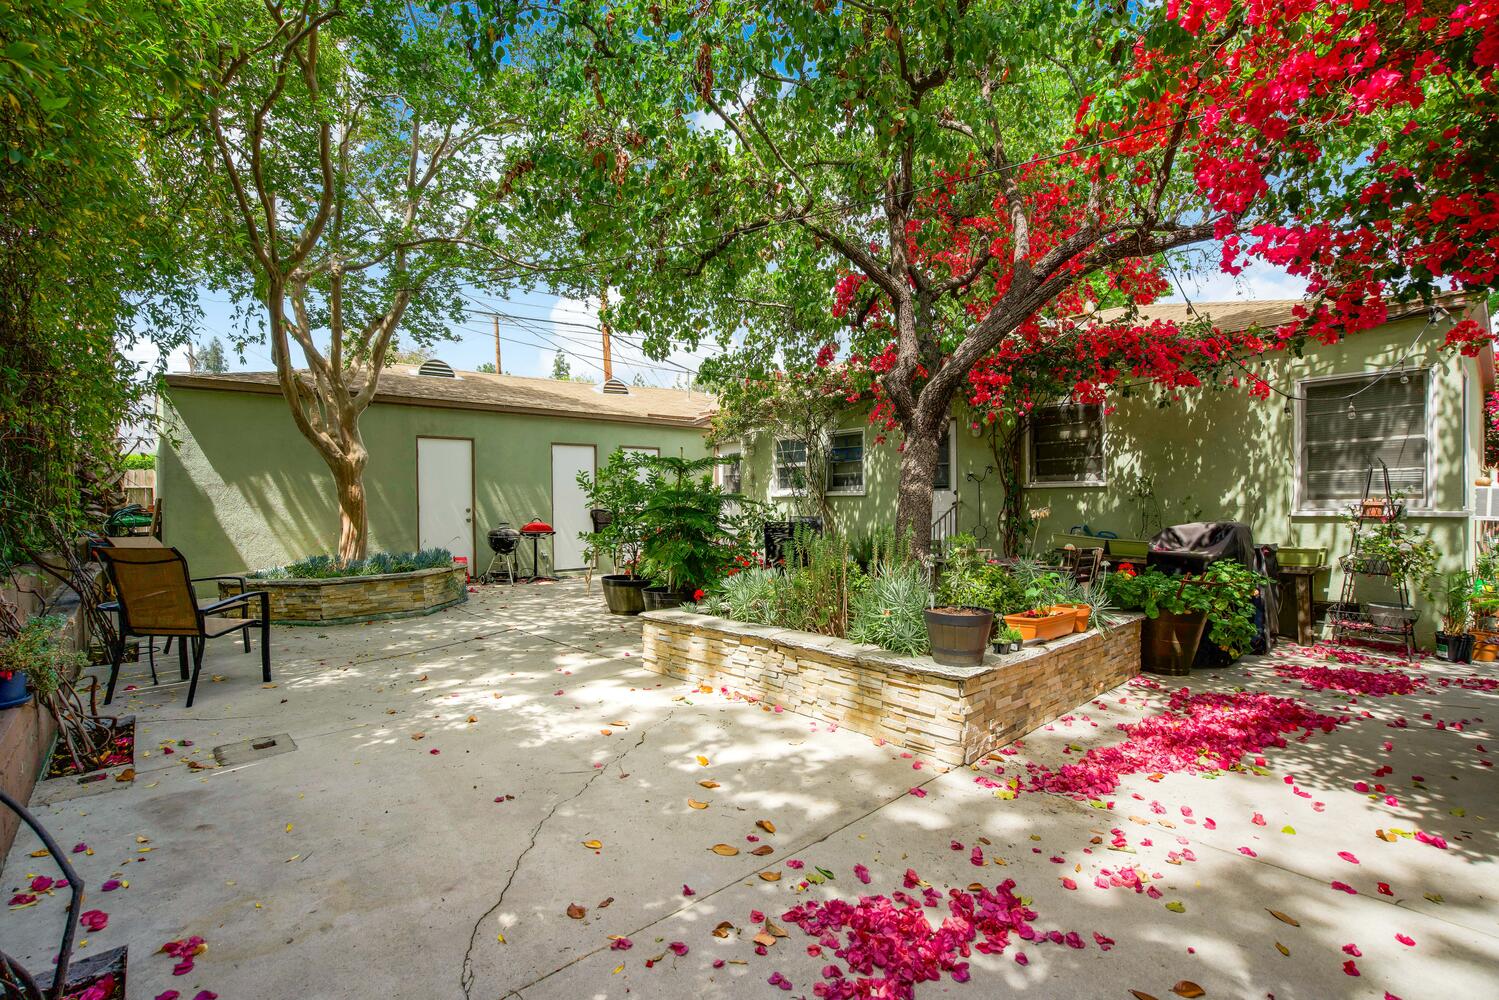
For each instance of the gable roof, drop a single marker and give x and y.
(400, 385)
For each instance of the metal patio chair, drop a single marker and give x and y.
(155, 598)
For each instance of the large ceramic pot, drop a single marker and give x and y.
(660, 598)
(1168, 642)
(624, 593)
(13, 691)
(959, 635)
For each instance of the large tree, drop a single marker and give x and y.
(973, 176)
(363, 166)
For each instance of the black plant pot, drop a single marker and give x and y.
(1455, 648)
(624, 593)
(661, 598)
(959, 635)
(1443, 649)
(1168, 642)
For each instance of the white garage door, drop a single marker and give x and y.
(569, 507)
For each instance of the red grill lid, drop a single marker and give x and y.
(538, 526)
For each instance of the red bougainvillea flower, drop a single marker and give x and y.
(1345, 887)
(1406, 940)
(678, 948)
(621, 944)
(1350, 969)
(94, 920)
(185, 951)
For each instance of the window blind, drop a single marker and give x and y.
(1066, 444)
(846, 462)
(1338, 447)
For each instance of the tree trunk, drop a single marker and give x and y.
(918, 468)
(353, 535)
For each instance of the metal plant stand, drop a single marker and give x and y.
(1353, 620)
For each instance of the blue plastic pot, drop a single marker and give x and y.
(14, 692)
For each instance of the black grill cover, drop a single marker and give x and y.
(1192, 548)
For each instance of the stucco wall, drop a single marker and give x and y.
(244, 490)
(1225, 453)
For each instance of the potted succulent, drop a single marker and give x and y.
(1008, 640)
(958, 634)
(616, 497)
(1454, 641)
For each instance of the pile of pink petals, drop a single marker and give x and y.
(1363, 682)
(1201, 732)
(889, 944)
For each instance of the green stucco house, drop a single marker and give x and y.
(452, 455)
(1288, 466)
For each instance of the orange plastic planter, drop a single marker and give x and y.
(1080, 612)
(1053, 626)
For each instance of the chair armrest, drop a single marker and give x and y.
(239, 599)
(204, 579)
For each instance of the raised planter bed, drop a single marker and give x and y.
(347, 599)
(956, 714)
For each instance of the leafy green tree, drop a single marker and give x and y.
(209, 358)
(561, 369)
(487, 367)
(360, 169)
(93, 260)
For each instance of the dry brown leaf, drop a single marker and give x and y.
(776, 929)
(763, 850)
(723, 929)
(771, 876)
(1282, 949)
(618, 722)
(593, 845)
(1386, 836)
(766, 825)
(695, 804)
(604, 903)
(126, 775)
(702, 760)
(390, 711)
(975, 887)
(1189, 989)
(708, 784)
(417, 736)
(577, 912)
(472, 719)
(763, 939)
(1142, 995)
(1283, 918)
(606, 732)
(726, 850)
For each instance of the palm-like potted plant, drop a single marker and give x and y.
(616, 497)
(1454, 641)
(687, 531)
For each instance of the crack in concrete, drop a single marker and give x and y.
(466, 977)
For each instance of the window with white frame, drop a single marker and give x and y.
(1066, 446)
(846, 461)
(1349, 425)
(729, 470)
(791, 465)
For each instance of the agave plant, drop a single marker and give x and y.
(888, 612)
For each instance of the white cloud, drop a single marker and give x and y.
(1258, 281)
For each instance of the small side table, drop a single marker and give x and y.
(1296, 621)
(536, 537)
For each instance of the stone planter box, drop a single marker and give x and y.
(344, 600)
(956, 714)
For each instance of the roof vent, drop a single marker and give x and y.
(436, 369)
(615, 387)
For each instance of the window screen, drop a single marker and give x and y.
(729, 472)
(1066, 444)
(1339, 445)
(846, 462)
(791, 465)
(942, 480)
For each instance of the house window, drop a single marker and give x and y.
(1350, 425)
(791, 465)
(846, 462)
(1066, 445)
(729, 476)
(942, 478)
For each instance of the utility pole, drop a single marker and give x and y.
(604, 327)
(498, 368)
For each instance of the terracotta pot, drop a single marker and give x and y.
(1485, 647)
(624, 594)
(1079, 611)
(1053, 626)
(958, 635)
(1168, 642)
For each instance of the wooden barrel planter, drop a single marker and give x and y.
(1168, 642)
(959, 635)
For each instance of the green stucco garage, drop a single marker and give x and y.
(242, 489)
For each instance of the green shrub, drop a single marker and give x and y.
(37, 651)
(888, 611)
(1225, 593)
(323, 567)
(140, 460)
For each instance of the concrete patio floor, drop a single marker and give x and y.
(384, 856)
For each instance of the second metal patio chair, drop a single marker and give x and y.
(156, 598)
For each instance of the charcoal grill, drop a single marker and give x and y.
(503, 541)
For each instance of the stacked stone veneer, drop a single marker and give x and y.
(358, 598)
(956, 714)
